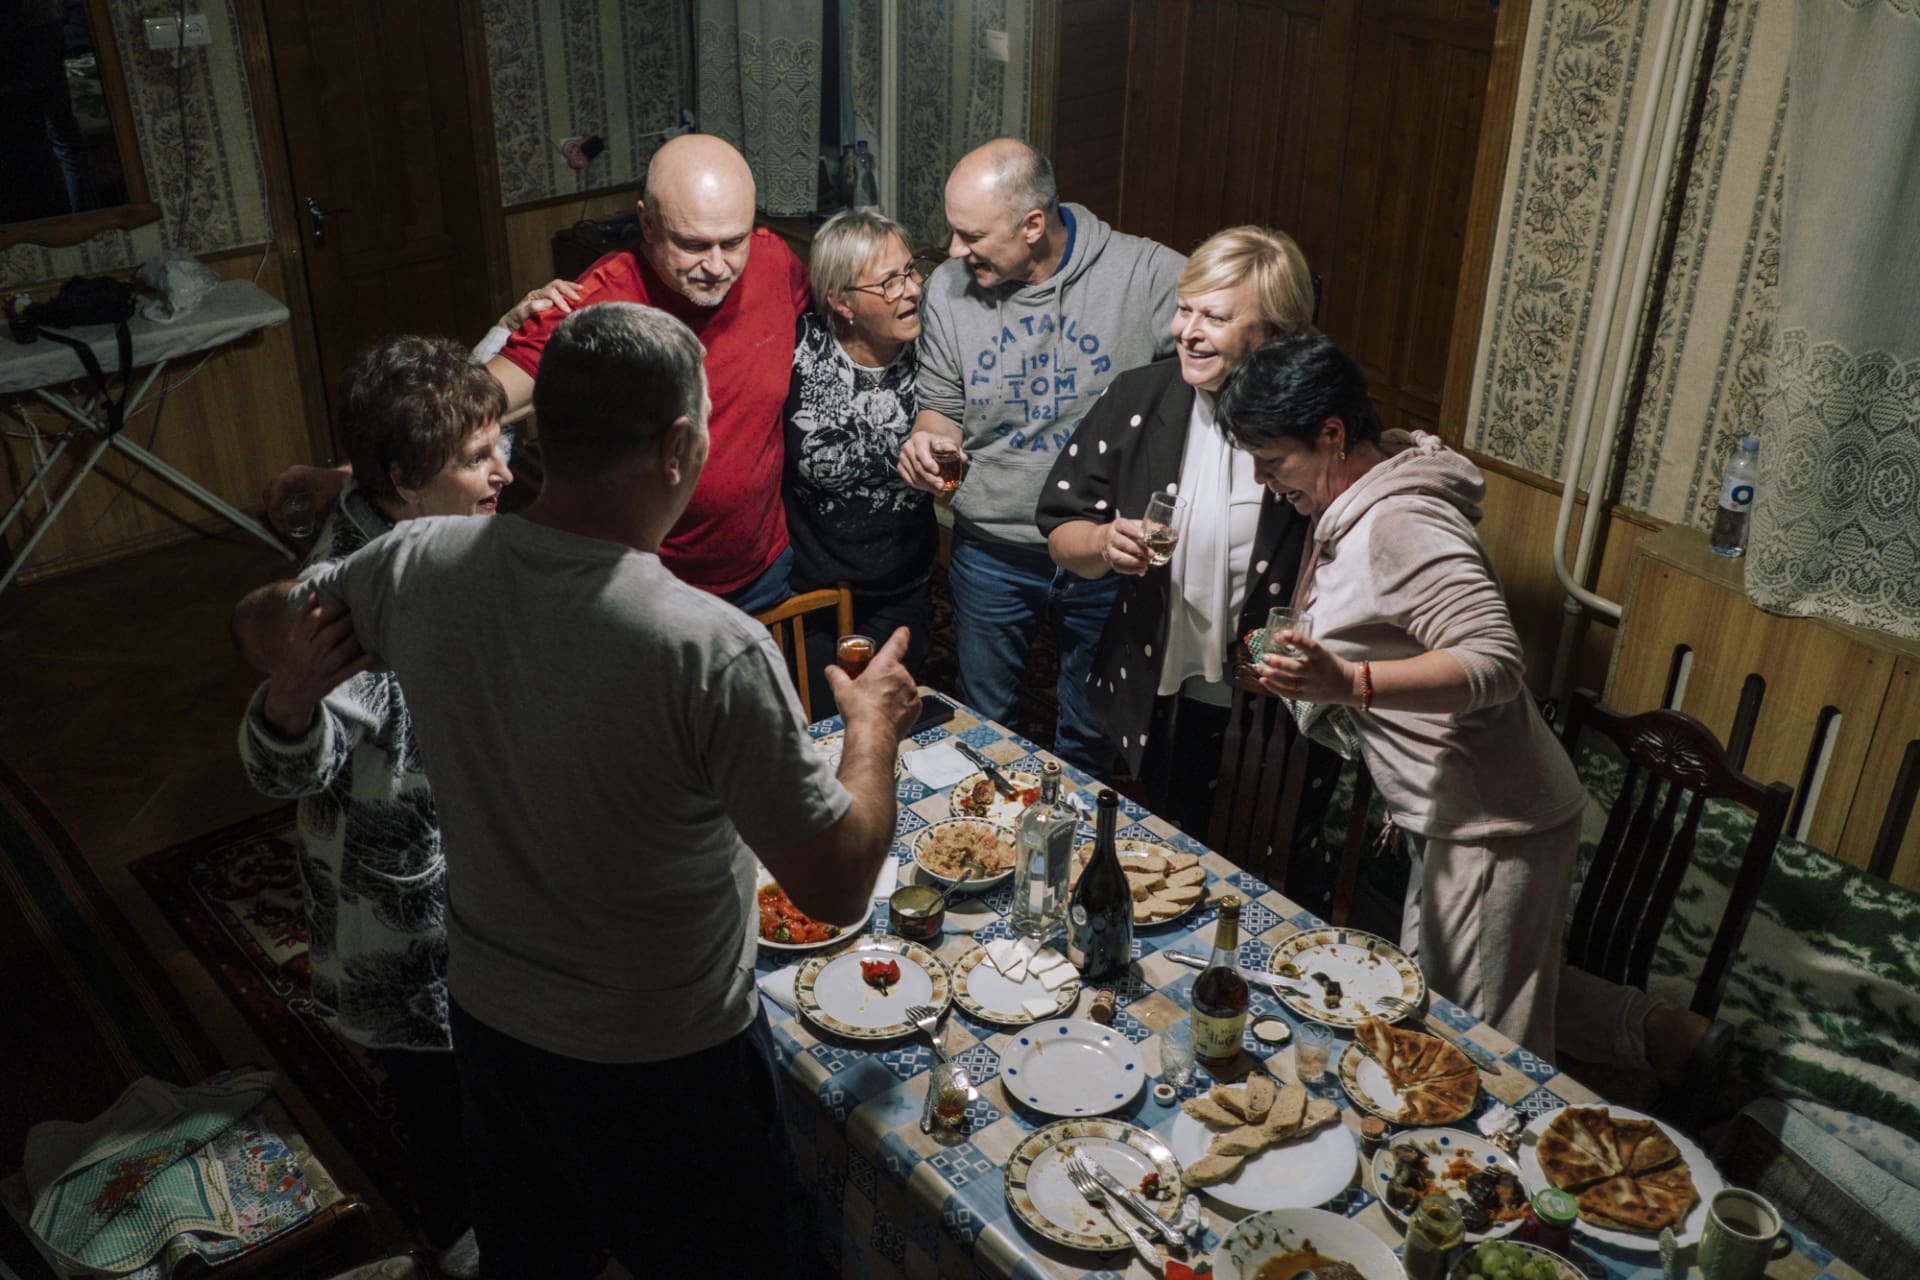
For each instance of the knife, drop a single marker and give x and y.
(1271, 981)
(988, 767)
(1135, 1205)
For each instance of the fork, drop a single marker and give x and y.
(1091, 1192)
(926, 1019)
(1153, 1224)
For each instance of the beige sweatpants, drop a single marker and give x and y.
(1486, 921)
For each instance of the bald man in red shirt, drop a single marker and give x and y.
(740, 290)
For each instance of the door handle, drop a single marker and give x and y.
(319, 218)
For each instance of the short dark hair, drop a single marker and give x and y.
(1289, 386)
(407, 404)
(612, 378)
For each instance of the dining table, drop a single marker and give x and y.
(894, 1201)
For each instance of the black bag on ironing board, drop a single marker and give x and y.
(87, 300)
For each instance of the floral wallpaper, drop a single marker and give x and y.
(1584, 83)
(759, 88)
(574, 68)
(198, 144)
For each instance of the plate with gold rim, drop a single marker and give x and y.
(833, 993)
(1349, 971)
(1041, 1196)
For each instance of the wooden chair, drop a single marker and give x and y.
(1672, 759)
(787, 621)
(1263, 784)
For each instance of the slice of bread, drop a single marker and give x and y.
(1211, 1168)
(1210, 1113)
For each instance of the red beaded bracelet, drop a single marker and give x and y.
(1366, 685)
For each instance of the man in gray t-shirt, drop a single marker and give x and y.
(603, 808)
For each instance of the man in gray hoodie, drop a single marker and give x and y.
(1039, 306)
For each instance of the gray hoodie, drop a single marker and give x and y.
(1402, 573)
(1018, 366)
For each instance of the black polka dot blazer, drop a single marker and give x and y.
(1129, 445)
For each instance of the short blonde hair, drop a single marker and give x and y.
(842, 247)
(1268, 262)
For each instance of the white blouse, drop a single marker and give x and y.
(1210, 562)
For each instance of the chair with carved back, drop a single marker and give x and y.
(1674, 765)
(1263, 786)
(788, 623)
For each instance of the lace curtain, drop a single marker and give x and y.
(1836, 529)
(759, 88)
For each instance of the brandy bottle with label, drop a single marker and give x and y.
(1220, 994)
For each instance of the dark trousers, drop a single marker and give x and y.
(678, 1167)
(425, 1088)
(875, 616)
(1180, 769)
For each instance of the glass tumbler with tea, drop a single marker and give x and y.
(1282, 619)
(952, 464)
(854, 653)
(1160, 527)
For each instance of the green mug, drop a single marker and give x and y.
(1743, 1235)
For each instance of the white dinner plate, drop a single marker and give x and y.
(1261, 1237)
(763, 878)
(920, 839)
(1366, 966)
(1041, 1195)
(1072, 1067)
(1293, 1175)
(1443, 1148)
(833, 993)
(1005, 810)
(991, 996)
(1706, 1180)
(1366, 1082)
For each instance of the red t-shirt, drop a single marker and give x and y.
(735, 526)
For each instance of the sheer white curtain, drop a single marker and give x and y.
(1836, 530)
(759, 88)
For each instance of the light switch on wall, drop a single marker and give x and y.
(164, 33)
(996, 45)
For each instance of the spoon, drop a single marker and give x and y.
(940, 904)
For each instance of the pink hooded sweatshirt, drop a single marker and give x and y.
(1402, 573)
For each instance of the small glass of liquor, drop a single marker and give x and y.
(296, 515)
(1282, 619)
(1160, 527)
(1312, 1046)
(948, 1092)
(854, 653)
(1176, 1054)
(952, 464)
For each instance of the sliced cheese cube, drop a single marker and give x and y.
(1039, 1006)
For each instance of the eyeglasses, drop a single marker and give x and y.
(894, 287)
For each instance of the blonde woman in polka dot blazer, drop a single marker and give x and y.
(1161, 682)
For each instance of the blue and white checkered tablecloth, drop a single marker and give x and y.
(899, 1203)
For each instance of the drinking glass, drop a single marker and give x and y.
(297, 515)
(1280, 619)
(1312, 1045)
(1160, 526)
(952, 466)
(1742, 1236)
(948, 1092)
(854, 653)
(1176, 1054)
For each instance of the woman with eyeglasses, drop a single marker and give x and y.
(850, 407)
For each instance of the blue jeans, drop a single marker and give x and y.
(767, 590)
(1001, 594)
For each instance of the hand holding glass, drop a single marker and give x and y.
(297, 516)
(953, 467)
(1282, 619)
(1159, 528)
(854, 653)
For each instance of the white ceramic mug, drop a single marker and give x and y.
(1743, 1235)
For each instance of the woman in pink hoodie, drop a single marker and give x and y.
(1414, 646)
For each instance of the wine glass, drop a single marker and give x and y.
(1159, 527)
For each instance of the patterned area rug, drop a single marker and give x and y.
(234, 897)
(1825, 990)
(86, 1011)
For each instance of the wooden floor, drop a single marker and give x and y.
(120, 701)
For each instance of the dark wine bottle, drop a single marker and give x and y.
(1220, 994)
(1100, 913)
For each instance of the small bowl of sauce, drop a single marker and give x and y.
(917, 911)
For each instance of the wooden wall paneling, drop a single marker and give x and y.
(1087, 124)
(1483, 214)
(1899, 725)
(1679, 593)
(231, 425)
(530, 230)
(486, 160)
(1149, 182)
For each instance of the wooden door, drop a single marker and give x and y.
(378, 115)
(1350, 124)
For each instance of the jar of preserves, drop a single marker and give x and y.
(1433, 1233)
(1550, 1219)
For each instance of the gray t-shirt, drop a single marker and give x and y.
(605, 743)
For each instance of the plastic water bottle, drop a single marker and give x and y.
(1729, 536)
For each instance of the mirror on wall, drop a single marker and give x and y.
(67, 144)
